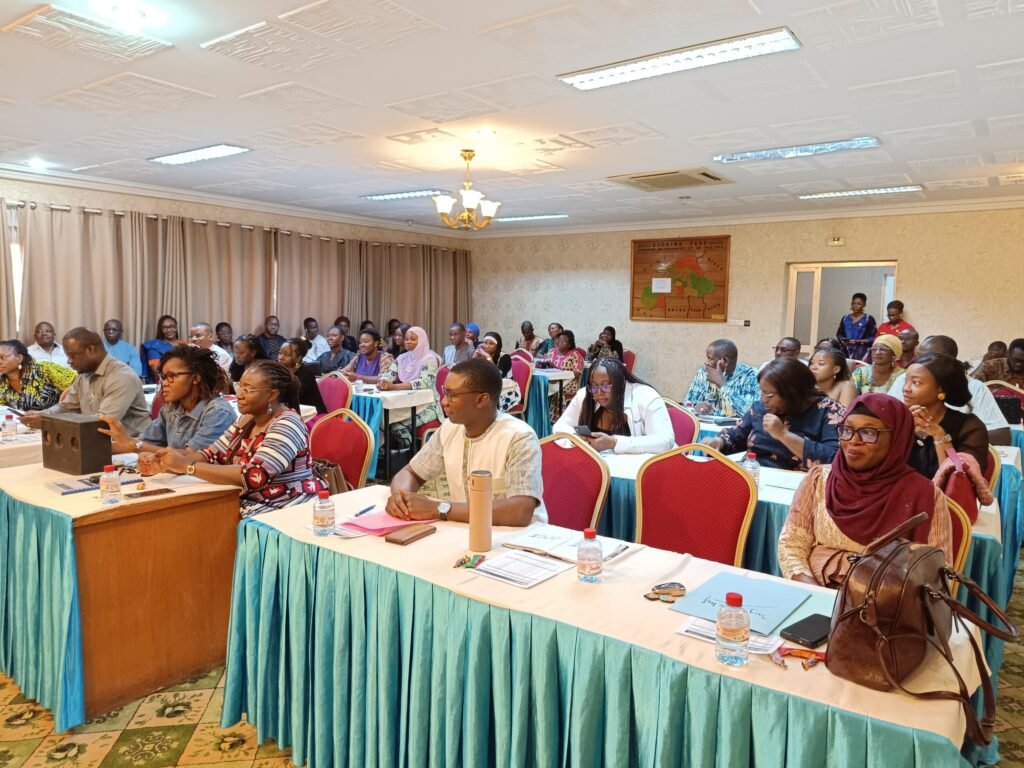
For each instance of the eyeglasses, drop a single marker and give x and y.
(595, 388)
(867, 435)
(880, 349)
(244, 390)
(172, 376)
(449, 394)
(668, 592)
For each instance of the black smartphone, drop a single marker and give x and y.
(149, 492)
(582, 430)
(810, 632)
(15, 411)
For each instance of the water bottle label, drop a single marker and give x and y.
(734, 634)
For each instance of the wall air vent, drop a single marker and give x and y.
(661, 181)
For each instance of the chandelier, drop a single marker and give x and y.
(471, 199)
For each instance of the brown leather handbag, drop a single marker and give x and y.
(894, 604)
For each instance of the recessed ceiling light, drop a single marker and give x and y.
(858, 192)
(38, 164)
(539, 217)
(405, 195)
(128, 15)
(197, 155)
(800, 150)
(692, 57)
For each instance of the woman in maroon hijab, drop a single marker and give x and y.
(867, 491)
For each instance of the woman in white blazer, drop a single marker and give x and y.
(623, 414)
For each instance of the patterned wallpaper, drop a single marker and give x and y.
(960, 274)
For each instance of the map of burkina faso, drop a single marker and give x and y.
(688, 279)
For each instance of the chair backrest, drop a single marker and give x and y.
(344, 438)
(335, 391)
(959, 488)
(629, 359)
(961, 530)
(993, 467)
(1005, 389)
(853, 365)
(442, 377)
(522, 372)
(684, 424)
(158, 403)
(523, 353)
(698, 505)
(576, 482)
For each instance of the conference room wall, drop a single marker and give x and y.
(958, 273)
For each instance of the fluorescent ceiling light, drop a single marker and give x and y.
(539, 217)
(129, 16)
(858, 192)
(231, 35)
(405, 195)
(203, 153)
(692, 57)
(800, 150)
(38, 164)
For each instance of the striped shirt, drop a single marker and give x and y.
(277, 470)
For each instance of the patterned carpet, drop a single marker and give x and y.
(180, 725)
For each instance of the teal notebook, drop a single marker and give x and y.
(769, 603)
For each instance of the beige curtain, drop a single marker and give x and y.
(311, 280)
(230, 272)
(8, 316)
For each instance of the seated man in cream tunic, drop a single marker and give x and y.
(474, 437)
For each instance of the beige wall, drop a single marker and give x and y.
(958, 273)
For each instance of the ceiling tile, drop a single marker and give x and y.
(820, 129)
(66, 31)
(733, 141)
(592, 187)
(908, 90)
(682, 10)
(986, 9)
(263, 164)
(958, 162)
(1001, 76)
(1006, 156)
(616, 135)
(771, 80)
(1006, 124)
(554, 145)
(244, 187)
(930, 134)
(426, 136)
(128, 93)
(14, 144)
(444, 107)
(854, 22)
(532, 167)
(955, 184)
(1011, 179)
(812, 187)
(520, 92)
(854, 158)
(771, 198)
(274, 47)
(358, 26)
(513, 182)
(301, 136)
(874, 182)
(294, 97)
(778, 166)
(130, 170)
(563, 28)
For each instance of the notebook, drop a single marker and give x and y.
(769, 602)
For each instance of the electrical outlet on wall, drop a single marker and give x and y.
(740, 323)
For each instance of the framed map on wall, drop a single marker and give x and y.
(685, 279)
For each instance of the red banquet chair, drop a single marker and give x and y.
(962, 532)
(697, 505)
(522, 354)
(158, 403)
(522, 372)
(629, 359)
(576, 482)
(684, 424)
(993, 467)
(345, 439)
(1004, 389)
(335, 391)
(426, 429)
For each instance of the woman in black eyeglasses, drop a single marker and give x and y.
(622, 413)
(792, 426)
(868, 490)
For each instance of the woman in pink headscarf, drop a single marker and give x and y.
(867, 491)
(416, 368)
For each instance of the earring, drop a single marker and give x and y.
(270, 409)
(942, 395)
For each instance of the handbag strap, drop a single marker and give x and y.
(1010, 634)
(895, 533)
(958, 463)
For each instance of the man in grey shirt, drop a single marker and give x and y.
(104, 387)
(459, 349)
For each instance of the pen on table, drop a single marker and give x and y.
(364, 511)
(616, 552)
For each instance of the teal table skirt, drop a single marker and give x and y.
(370, 410)
(537, 414)
(40, 624)
(353, 664)
(1011, 507)
(1017, 437)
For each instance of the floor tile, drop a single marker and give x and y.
(175, 708)
(212, 744)
(1011, 749)
(115, 720)
(74, 750)
(149, 747)
(14, 753)
(199, 682)
(24, 721)
(273, 762)
(213, 709)
(271, 750)
(8, 691)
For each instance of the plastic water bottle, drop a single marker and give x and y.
(589, 560)
(110, 485)
(323, 514)
(10, 429)
(732, 631)
(750, 464)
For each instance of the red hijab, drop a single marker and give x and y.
(866, 504)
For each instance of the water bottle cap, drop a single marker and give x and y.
(752, 455)
(108, 468)
(9, 417)
(589, 533)
(324, 494)
(734, 599)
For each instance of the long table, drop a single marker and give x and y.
(100, 605)
(357, 652)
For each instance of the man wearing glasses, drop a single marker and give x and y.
(474, 437)
(104, 386)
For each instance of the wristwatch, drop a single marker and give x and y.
(443, 508)
(191, 469)
(138, 445)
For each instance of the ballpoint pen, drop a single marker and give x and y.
(364, 511)
(616, 552)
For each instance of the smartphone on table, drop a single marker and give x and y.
(810, 632)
